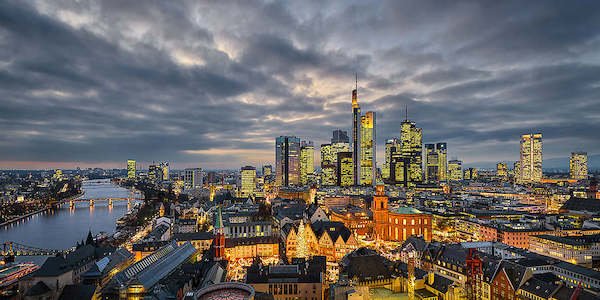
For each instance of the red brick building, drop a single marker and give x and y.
(400, 223)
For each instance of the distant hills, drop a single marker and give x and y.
(549, 163)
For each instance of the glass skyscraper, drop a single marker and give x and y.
(287, 160)
(368, 161)
(531, 158)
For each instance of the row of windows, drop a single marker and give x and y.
(412, 221)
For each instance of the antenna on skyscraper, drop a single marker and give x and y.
(406, 111)
(356, 81)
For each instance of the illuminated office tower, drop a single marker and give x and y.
(154, 172)
(578, 165)
(328, 175)
(248, 178)
(345, 169)
(531, 157)
(432, 166)
(307, 161)
(455, 170)
(411, 143)
(267, 170)
(164, 169)
(355, 137)
(389, 145)
(501, 170)
(192, 178)
(442, 156)
(340, 136)
(517, 171)
(470, 174)
(287, 160)
(326, 155)
(131, 169)
(368, 161)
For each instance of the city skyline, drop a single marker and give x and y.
(215, 100)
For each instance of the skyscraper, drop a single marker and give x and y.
(307, 161)
(131, 169)
(355, 137)
(578, 165)
(287, 160)
(531, 158)
(345, 169)
(368, 161)
(517, 171)
(501, 171)
(411, 143)
(164, 168)
(340, 136)
(326, 155)
(432, 165)
(455, 170)
(192, 178)
(267, 170)
(389, 145)
(154, 172)
(248, 177)
(442, 157)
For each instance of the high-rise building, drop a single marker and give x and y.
(411, 145)
(192, 178)
(578, 165)
(442, 157)
(164, 169)
(432, 173)
(131, 169)
(154, 172)
(287, 160)
(307, 161)
(328, 175)
(389, 145)
(501, 170)
(355, 137)
(248, 177)
(345, 169)
(368, 161)
(340, 136)
(470, 174)
(326, 156)
(531, 158)
(267, 170)
(517, 171)
(455, 170)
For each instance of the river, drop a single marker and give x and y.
(63, 227)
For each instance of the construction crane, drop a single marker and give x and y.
(474, 266)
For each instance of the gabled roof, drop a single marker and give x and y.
(334, 229)
(77, 291)
(52, 267)
(440, 283)
(38, 289)
(514, 272)
(539, 287)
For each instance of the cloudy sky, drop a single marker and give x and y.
(212, 83)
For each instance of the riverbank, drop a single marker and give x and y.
(19, 218)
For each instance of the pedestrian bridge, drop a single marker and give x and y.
(110, 201)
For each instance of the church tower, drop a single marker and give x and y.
(219, 237)
(379, 207)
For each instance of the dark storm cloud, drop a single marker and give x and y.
(190, 82)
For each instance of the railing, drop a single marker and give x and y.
(17, 249)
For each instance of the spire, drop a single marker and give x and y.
(219, 221)
(354, 92)
(406, 111)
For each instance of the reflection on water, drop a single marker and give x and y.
(61, 228)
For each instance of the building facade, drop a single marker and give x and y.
(193, 178)
(531, 158)
(455, 170)
(248, 179)
(131, 169)
(287, 160)
(368, 149)
(307, 161)
(578, 168)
